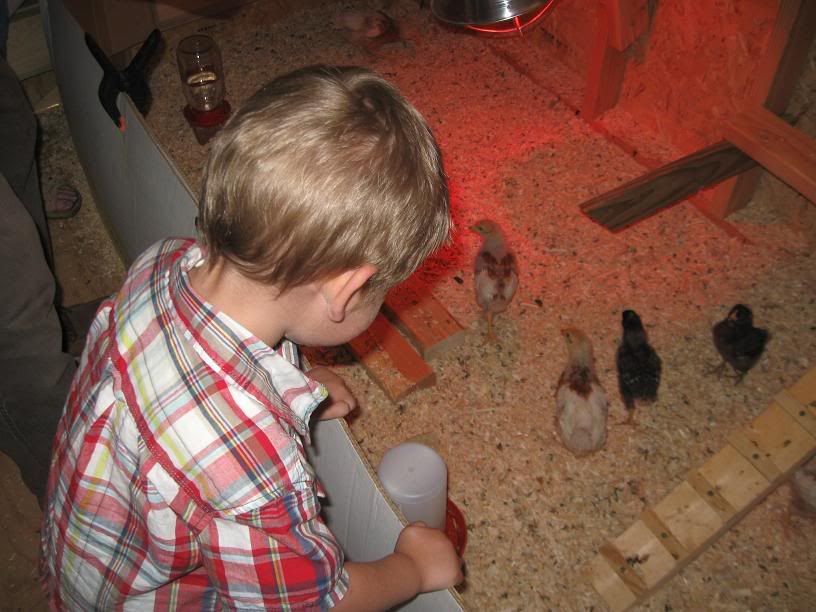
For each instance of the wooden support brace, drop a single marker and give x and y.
(725, 488)
(783, 150)
(387, 355)
(390, 360)
(628, 20)
(420, 316)
(774, 81)
(667, 185)
(607, 66)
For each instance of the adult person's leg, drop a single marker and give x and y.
(34, 372)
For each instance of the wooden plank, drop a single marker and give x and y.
(390, 360)
(663, 534)
(605, 74)
(607, 582)
(734, 478)
(783, 150)
(711, 495)
(645, 554)
(691, 517)
(804, 391)
(803, 414)
(667, 185)
(774, 81)
(420, 316)
(628, 20)
(631, 577)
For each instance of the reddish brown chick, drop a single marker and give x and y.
(495, 272)
(581, 404)
(369, 29)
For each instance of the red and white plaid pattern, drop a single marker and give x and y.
(179, 479)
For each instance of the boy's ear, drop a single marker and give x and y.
(338, 290)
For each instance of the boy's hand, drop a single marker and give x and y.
(432, 553)
(340, 401)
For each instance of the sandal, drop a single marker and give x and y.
(63, 202)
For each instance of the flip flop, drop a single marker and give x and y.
(63, 202)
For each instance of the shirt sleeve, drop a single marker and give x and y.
(280, 556)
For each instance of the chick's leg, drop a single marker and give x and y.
(491, 337)
(628, 404)
(718, 370)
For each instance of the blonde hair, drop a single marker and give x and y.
(321, 171)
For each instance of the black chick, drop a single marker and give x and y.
(739, 343)
(639, 365)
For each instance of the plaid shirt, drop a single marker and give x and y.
(179, 479)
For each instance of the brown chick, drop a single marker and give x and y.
(581, 404)
(803, 484)
(369, 29)
(496, 272)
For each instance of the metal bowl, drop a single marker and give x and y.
(482, 12)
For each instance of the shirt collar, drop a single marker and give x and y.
(271, 376)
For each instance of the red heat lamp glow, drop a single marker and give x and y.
(517, 24)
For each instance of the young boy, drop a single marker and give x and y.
(179, 478)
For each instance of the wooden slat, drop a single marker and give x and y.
(420, 316)
(711, 495)
(628, 573)
(692, 516)
(774, 81)
(605, 74)
(802, 414)
(663, 534)
(390, 360)
(607, 581)
(780, 148)
(666, 185)
(628, 19)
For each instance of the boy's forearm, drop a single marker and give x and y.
(380, 585)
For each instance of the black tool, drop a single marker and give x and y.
(131, 80)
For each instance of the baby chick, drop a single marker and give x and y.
(803, 483)
(638, 365)
(581, 404)
(496, 272)
(369, 29)
(739, 343)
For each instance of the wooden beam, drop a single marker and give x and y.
(781, 149)
(390, 360)
(424, 321)
(774, 81)
(607, 67)
(666, 185)
(673, 532)
(628, 20)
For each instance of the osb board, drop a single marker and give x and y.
(571, 29)
(514, 149)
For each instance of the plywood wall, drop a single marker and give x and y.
(692, 67)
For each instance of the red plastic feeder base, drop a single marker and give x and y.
(456, 528)
(205, 124)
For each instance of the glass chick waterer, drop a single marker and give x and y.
(202, 79)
